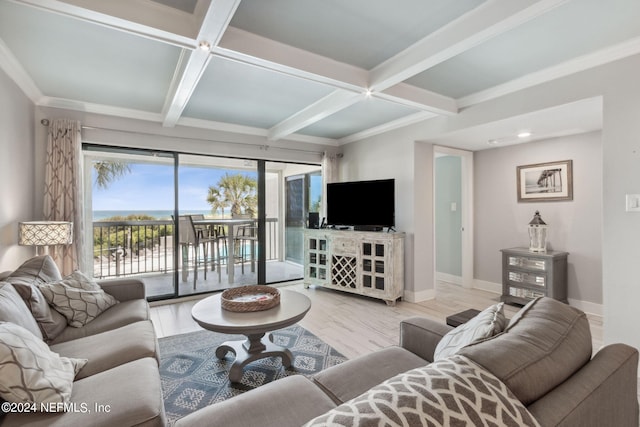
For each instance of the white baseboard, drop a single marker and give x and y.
(411, 296)
(449, 278)
(590, 308)
(495, 288)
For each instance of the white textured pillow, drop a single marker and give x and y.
(30, 372)
(78, 298)
(486, 324)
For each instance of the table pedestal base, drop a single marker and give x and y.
(257, 346)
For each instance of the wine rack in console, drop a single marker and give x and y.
(361, 262)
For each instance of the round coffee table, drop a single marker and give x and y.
(209, 314)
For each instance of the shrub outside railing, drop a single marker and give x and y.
(130, 247)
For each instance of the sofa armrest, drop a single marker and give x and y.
(603, 392)
(124, 289)
(420, 336)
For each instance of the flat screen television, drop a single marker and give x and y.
(365, 205)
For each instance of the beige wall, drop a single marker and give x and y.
(16, 171)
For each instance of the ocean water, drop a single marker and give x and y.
(157, 214)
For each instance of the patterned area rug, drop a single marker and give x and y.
(192, 376)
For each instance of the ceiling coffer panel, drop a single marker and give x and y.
(72, 59)
(230, 91)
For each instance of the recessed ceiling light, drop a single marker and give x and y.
(493, 142)
(204, 45)
(524, 134)
(367, 93)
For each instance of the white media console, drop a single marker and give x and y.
(360, 262)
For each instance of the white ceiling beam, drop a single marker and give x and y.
(473, 28)
(88, 107)
(492, 18)
(584, 62)
(188, 74)
(421, 99)
(330, 104)
(255, 50)
(386, 127)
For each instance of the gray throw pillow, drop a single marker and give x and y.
(13, 309)
(487, 323)
(78, 298)
(26, 278)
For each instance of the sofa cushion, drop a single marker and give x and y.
(448, 392)
(485, 324)
(25, 279)
(543, 345)
(78, 298)
(109, 349)
(127, 395)
(353, 377)
(291, 401)
(13, 309)
(32, 373)
(119, 315)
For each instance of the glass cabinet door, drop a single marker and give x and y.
(373, 274)
(317, 258)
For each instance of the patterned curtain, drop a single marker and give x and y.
(63, 195)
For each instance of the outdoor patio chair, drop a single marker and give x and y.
(247, 241)
(222, 251)
(190, 242)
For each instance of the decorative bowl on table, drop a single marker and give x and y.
(250, 298)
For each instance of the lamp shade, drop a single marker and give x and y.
(45, 233)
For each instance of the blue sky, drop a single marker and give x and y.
(150, 187)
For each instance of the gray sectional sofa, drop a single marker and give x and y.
(120, 383)
(543, 358)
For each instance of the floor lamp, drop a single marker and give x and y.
(43, 234)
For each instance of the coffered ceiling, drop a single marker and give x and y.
(330, 71)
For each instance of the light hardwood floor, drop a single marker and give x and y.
(356, 325)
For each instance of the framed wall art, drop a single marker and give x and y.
(545, 182)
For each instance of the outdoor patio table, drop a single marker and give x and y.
(231, 223)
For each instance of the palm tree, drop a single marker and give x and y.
(108, 171)
(236, 191)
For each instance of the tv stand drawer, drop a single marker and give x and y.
(344, 246)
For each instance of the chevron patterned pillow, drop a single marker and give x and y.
(78, 298)
(486, 324)
(450, 392)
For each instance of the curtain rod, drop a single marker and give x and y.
(263, 147)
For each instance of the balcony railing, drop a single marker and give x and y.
(125, 248)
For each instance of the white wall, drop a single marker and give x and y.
(16, 171)
(621, 233)
(397, 155)
(574, 226)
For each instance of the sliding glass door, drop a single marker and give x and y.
(128, 216)
(292, 192)
(219, 195)
(194, 223)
